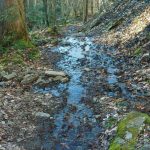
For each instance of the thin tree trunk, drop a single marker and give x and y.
(46, 12)
(85, 10)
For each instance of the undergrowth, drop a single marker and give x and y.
(17, 52)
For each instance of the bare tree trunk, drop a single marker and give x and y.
(85, 10)
(45, 4)
(2, 22)
(92, 7)
(54, 12)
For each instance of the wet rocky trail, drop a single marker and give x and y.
(96, 97)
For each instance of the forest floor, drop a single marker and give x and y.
(79, 105)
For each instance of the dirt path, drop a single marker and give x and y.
(81, 114)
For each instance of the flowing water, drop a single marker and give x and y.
(76, 127)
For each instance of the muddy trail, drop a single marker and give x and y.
(94, 72)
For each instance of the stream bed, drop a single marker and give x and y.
(76, 125)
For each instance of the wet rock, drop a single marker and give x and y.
(52, 73)
(64, 80)
(60, 79)
(42, 115)
(29, 78)
(87, 69)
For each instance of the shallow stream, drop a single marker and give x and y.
(76, 127)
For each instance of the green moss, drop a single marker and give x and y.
(137, 51)
(132, 123)
(22, 44)
(115, 146)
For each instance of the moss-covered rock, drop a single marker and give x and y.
(128, 130)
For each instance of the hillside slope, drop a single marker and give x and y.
(126, 25)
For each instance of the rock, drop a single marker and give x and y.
(61, 79)
(128, 135)
(29, 78)
(128, 129)
(120, 140)
(48, 95)
(146, 147)
(97, 116)
(136, 122)
(41, 82)
(87, 69)
(42, 115)
(52, 73)
(64, 80)
(5, 76)
(10, 76)
(145, 58)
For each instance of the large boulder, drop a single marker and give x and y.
(128, 131)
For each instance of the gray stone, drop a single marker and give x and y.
(52, 73)
(64, 80)
(136, 122)
(119, 140)
(42, 115)
(87, 69)
(41, 82)
(97, 116)
(146, 147)
(29, 78)
(128, 135)
(60, 79)
(9, 76)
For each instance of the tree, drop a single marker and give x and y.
(45, 4)
(85, 10)
(13, 19)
